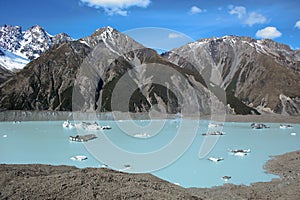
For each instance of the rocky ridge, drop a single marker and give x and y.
(263, 74)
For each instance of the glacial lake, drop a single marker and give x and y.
(47, 142)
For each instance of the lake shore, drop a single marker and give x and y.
(18, 115)
(67, 182)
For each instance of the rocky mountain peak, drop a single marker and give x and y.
(117, 43)
(35, 41)
(61, 37)
(106, 34)
(104, 31)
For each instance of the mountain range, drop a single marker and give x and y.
(109, 71)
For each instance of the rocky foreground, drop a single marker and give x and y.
(66, 182)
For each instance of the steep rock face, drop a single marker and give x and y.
(255, 72)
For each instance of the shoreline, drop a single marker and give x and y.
(19, 181)
(18, 115)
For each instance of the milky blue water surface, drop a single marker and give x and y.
(47, 142)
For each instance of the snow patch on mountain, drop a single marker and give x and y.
(12, 61)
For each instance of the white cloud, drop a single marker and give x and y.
(297, 25)
(268, 32)
(255, 18)
(175, 35)
(248, 19)
(118, 7)
(240, 11)
(195, 10)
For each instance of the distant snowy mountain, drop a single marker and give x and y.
(23, 46)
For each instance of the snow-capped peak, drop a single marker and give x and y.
(28, 44)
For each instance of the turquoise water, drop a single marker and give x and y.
(48, 143)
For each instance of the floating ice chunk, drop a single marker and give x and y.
(79, 158)
(214, 159)
(226, 178)
(142, 135)
(240, 154)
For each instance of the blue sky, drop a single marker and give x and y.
(276, 19)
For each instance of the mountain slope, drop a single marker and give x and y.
(101, 83)
(263, 74)
(45, 83)
(4, 74)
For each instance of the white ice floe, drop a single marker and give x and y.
(239, 150)
(226, 178)
(67, 124)
(94, 126)
(211, 125)
(241, 154)
(258, 126)
(142, 135)
(79, 158)
(214, 159)
(104, 166)
(285, 126)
